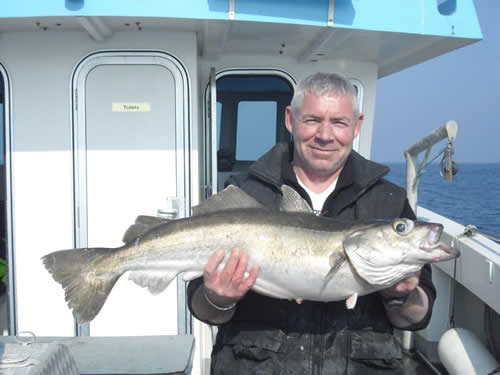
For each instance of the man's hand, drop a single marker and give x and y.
(413, 309)
(402, 288)
(227, 286)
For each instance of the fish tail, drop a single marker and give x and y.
(85, 290)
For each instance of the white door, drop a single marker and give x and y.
(131, 157)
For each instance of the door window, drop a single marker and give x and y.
(250, 118)
(256, 131)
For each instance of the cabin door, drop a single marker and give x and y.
(131, 158)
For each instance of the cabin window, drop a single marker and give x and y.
(250, 117)
(256, 128)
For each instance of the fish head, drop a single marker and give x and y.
(384, 253)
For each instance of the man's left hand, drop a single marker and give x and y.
(402, 288)
(411, 308)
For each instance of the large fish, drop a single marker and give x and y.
(301, 256)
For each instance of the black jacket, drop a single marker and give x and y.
(272, 336)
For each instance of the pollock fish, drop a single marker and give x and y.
(301, 256)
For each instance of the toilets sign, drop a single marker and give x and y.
(130, 107)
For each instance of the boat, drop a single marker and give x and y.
(84, 152)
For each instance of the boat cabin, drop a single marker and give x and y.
(109, 110)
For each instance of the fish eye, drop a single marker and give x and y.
(402, 226)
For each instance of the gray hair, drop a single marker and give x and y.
(319, 84)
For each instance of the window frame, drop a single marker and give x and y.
(281, 132)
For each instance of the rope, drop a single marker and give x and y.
(425, 162)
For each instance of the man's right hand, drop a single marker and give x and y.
(228, 285)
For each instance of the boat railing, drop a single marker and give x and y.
(480, 255)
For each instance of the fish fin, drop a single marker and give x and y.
(291, 201)
(336, 259)
(191, 275)
(351, 301)
(85, 290)
(230, 198)
(143, 224)
(155, 280)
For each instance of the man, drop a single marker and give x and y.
(263, 335)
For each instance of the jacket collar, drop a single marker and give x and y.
(360, 171)
(275, 168)
(271, 166)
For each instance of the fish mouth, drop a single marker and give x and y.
(431, 242)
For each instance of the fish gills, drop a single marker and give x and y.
(85, 292)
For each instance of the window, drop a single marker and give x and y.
(250, 117)
(256, 131)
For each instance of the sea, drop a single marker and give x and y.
(473, 197)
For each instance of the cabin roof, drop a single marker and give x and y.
(390, 34)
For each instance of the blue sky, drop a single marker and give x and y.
(462, 85)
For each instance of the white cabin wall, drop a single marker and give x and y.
(41, 66)
(366, 73)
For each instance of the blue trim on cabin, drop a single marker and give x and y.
(194, 9)
(430, 17)
(426, 17)
(300, 12)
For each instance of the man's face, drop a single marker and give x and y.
(323, 132)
